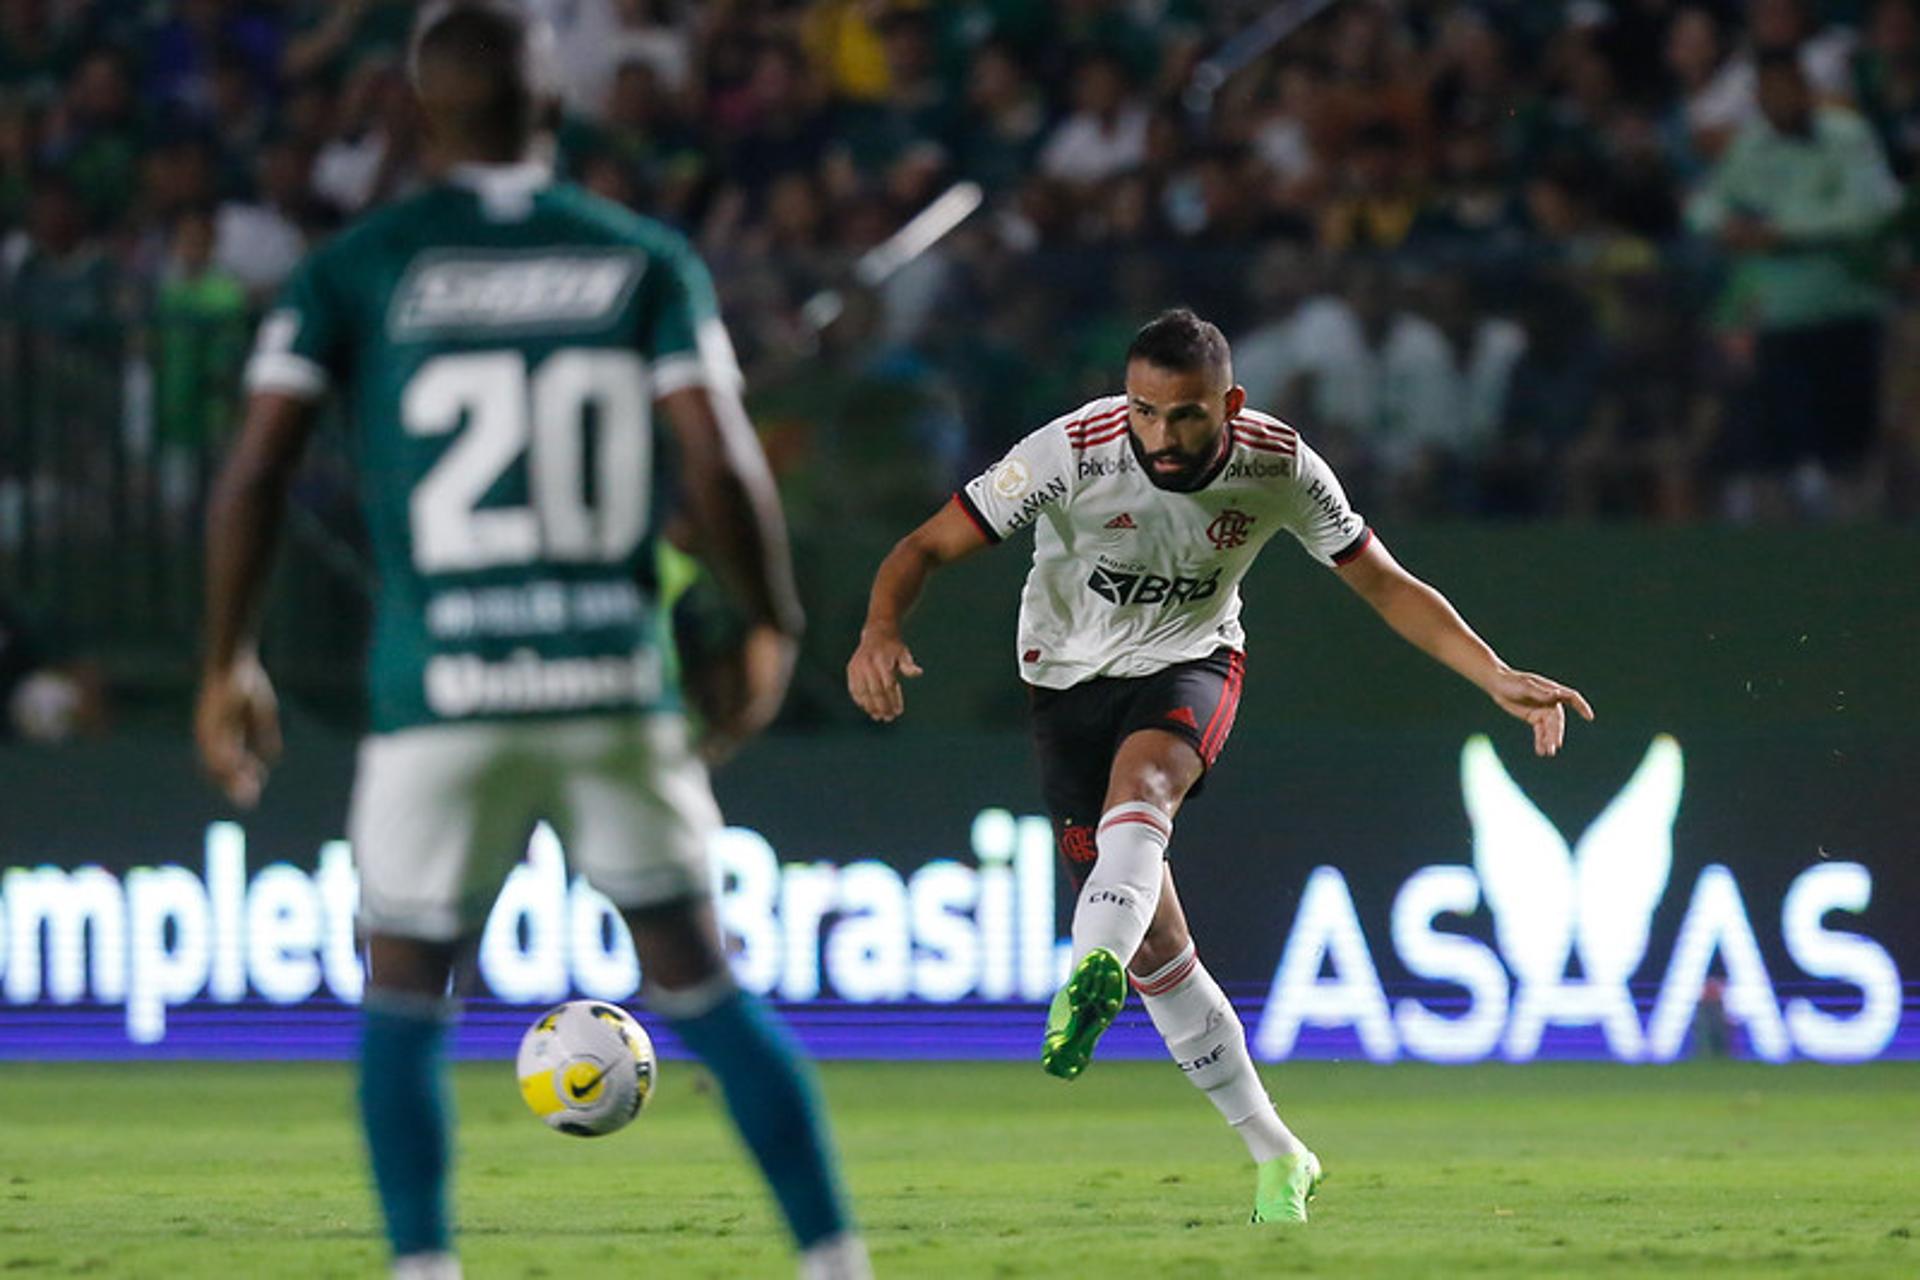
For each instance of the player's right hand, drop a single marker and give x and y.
(236, 725)
(874, 671)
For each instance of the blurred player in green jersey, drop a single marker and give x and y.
(508, 348)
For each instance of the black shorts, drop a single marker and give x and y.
(1077, 731)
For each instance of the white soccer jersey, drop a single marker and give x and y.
(1129, 578)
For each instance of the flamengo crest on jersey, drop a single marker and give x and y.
(1129, 578)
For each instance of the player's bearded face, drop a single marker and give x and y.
(1178, 418)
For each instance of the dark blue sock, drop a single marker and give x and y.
(408, 1120)
(776, 1106)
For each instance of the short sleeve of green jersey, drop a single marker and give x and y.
(300, 348)
(684, 339)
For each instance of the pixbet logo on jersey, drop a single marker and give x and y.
(1594, 901)
(1151, 588)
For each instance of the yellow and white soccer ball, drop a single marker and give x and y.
(586, 1068)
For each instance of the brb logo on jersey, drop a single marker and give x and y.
(1151, 588)
(1593, 902)
(1229, 529)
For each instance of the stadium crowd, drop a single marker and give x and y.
(1638, 258)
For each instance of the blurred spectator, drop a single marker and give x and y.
(307, 112)
(1657, 414)
(660, 162)
(594, 39)
(37, 52)
(1547, 441)
(372, 154)
(1107, 132)
(1784, 28)
(94, 137)
(782, 125)
(200, 340)
(844, 42)
(1375, 195)
(238, 119)
(911, 113)
(1473, 86)
(1715, 95)
(260, 240)
(1001, 120)
(343, 34)
(1471, 204)
(1886, 81)
(56, 274)
(1269, 360)
(175, 176)
(185, 53)
(42, 699)
(1797, 201)
(1284, 139)
(1794, 27)
(1376, 87)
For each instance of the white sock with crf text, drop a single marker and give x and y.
(1195, 1018)
(1117, 903)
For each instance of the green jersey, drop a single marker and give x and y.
(500, 341)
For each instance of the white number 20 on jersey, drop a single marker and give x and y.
(544, 416)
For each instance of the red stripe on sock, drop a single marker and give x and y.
(1159, 986)
(1134, 815)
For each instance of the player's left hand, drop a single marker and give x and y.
(236, 725)
(1542, 703)
(739, 692)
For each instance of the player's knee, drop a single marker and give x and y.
(1146, 781)
(1155, 768)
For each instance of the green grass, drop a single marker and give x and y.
(1553, 1170)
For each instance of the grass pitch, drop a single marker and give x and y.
(996, 1170)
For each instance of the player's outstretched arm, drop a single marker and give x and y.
(874, 671)
(236, 721)
(1424, 618)
(738, 530)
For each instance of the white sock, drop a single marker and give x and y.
(1117, 903)
(1194, 1017)
(426, 1266)
(841, 1257)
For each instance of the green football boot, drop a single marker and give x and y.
(1286, 1186)
(1081, 1011)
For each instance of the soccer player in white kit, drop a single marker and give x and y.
(1147, 509)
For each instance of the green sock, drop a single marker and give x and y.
(407, 1118)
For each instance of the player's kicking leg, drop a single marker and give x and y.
(768, 1086)
(1205, 1036)
(1150, 774)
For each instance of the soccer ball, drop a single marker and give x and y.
(586, 1068)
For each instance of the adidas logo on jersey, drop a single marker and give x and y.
(1122, 521)
(1151, 588)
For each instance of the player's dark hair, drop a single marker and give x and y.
(1181, 341)
(474, 67)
